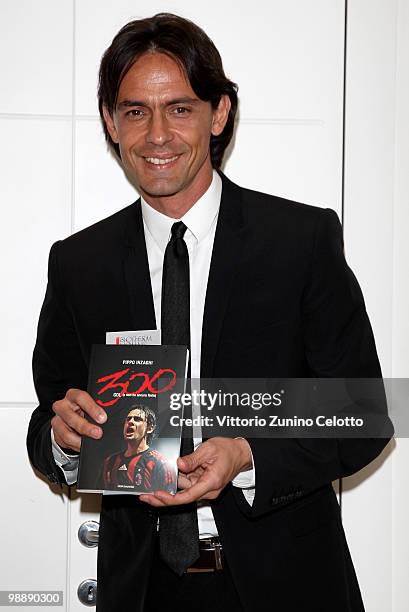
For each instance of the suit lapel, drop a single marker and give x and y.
(227, 248)
(136, 273)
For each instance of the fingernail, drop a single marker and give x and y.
(101, 418)
(96, 432)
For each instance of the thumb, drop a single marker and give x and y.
(189, 463)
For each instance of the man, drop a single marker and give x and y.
(260, 263)
(139, 465)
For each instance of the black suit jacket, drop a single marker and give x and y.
(281, 302)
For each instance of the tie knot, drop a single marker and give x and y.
(178, 230)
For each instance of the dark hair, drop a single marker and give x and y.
(184, 42)
(150, 418)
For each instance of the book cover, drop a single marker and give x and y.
(139, 449)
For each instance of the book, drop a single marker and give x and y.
(139, 447)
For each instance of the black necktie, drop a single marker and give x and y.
(178, 528)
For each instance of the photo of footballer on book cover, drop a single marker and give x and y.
(133, 456)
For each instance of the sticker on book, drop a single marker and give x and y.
(139, 337)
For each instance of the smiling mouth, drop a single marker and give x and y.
(161, 161)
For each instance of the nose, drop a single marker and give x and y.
(158, 130)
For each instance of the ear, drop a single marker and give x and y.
(220, 115)
(109, 122)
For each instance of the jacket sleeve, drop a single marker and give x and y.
(338, 343)
(58, 365)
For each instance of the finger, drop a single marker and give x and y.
(84, 401)
(197, 491)
(64, 436)
(184, 482)
(161, 499)
(76, 422)
(197, 473)
(192, 480)
(72, 408)
(199, 470)
(191, 494)
(152, 500)
(189, 463)
(192, 477)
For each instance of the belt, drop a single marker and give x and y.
(211, 556)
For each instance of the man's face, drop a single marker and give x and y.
(163, 129)
(136, 426)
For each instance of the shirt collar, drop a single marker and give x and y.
(198, 219)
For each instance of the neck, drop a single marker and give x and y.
(136, 446)
(178, 204)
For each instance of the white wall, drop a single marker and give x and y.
(400, 306)
(368, 230)
(376, 219)
(288, 58)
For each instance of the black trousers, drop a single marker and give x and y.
(192, 592)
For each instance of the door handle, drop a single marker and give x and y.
(88, 534)
(87, 592)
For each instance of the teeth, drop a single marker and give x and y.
(160, 162)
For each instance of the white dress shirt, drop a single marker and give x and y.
(201, 221)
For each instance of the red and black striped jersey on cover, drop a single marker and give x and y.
(145, 471)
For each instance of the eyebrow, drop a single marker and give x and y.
(184, 100)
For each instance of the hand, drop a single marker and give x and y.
(69, 423)
(204, 473)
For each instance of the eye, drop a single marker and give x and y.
(181, 110)
(135, 113)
